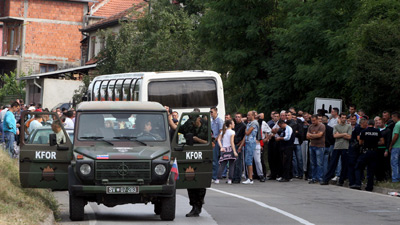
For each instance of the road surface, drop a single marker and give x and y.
(295, 202)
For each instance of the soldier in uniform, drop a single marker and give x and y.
(369, 140)
(198, 127)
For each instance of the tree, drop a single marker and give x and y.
(234, 32)
(161, 40)
(309, 57)
(12, 86)
(375, 53)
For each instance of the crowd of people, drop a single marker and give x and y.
(10, 122)
(318, 148)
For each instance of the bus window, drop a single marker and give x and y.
(103, 90)
(135, 89)
(118, 90)
(184, 93)
(125, 90)
(110, 91)
(95, 93)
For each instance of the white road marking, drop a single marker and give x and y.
(298, 219)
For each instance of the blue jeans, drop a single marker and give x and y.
(237, 175)
(10, 136)
(297, 161)
(216, 154)
(2, 133)
(395, 163)
(316, 161)
(249, 153)
(339, 167)
(333, 162)
(352, 158)
(327, 156)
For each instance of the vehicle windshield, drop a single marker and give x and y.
(121, 127)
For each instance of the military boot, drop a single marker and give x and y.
(195, 212)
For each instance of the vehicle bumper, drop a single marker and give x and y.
(148, 190)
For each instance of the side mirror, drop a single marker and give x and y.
(189, 139)
(53, 139)
(84, 98)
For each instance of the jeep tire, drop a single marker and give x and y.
(76, 208)
(168, 208)
(157, 207)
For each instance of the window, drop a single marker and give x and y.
(13, 39)
(124, 127)
(44, 68)
(92, 47)
(184, 93)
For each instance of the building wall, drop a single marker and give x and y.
(50, 32)
(1, 37)
(58, 91)
(14, 8)
(2, 7)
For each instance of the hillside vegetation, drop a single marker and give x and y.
(21, 205)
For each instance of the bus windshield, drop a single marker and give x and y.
(121, 126)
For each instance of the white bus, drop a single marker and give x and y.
(180, 90)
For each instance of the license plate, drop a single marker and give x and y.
(122, 190)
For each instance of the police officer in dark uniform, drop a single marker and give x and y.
(369, 140)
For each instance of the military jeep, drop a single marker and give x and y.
(122, 153)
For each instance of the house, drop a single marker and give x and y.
(41, 35)
(105, 15)
(58, 84)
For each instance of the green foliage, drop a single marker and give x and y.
(375, 53)
(234, 32)
(271, 54)
(309, 56)
(161, 40)
(12, 86)
(80, 92)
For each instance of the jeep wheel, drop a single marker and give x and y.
(168, 208)
(157, 208)
(76, 208)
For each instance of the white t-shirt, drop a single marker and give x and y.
(226, 140)
(33, 126)
(265, 129)
(69, 123)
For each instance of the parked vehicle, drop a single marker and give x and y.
(180, 90)
(121, 153)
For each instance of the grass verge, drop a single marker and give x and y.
(21, 205)
(388, 184)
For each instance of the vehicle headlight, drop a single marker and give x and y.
(160, 169)
(85, 169)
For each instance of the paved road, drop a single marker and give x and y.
(262, 203)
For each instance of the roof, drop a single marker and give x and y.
(110, 21)
(107, 8)
(120, 106)
(58, 72)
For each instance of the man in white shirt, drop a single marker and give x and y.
(68, 121)
(35, 124)
(333, 120)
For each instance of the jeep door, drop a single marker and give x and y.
(42, 165)
(194, 159)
